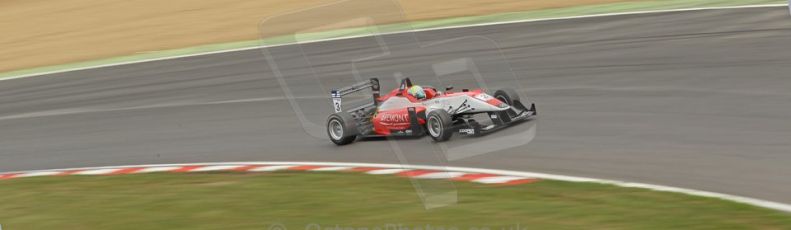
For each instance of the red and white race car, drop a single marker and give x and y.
(440, 114)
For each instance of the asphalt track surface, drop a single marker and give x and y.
(699, 100)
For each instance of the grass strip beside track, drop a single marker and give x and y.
(457, 21)
(227, 200)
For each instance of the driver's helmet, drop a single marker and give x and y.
(417, 92)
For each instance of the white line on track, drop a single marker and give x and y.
(498, 179)
(96, 172)
(397, 32)
(271, 168)
(324, 169)
(386, 171)
(162, 168)
(215, 168)
(35, 174)
(501, 176)
(440, 175)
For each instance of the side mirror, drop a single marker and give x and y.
(448, 88)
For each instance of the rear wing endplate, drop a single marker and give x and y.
(337, 94)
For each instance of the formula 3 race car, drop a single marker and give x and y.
(439, 114)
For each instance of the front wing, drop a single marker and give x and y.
(517, 114)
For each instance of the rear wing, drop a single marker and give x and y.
(337, 94)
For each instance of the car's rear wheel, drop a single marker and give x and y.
(439, 125)
(341, 128)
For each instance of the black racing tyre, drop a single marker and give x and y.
(507, 95)
(341, 128)
(439, 125)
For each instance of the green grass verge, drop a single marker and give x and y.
(537, 14)
(297, 199)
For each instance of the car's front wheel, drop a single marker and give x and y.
(507, 96)
(439, 125)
